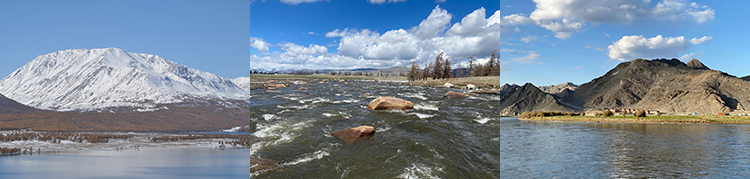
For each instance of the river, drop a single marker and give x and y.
(532, 149)
(440, 138)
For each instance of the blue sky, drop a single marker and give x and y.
(345, 34)
(208, 35)
(551, 42)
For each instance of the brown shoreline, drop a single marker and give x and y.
(628, 120)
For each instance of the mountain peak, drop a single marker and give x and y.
(695, 64)
(86, 79)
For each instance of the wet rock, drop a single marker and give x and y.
(388, 103)
(453, 94)
(335, 85)
(448, 85)
(470, 87)
(302, 88)
(471, 94)
(350, 135)
(271, 88)
(263, 165)
(346, 83)
(341, 81)
(269, 85)
(368, 94)
(280, 85)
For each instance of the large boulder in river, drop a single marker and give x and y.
(453, 94)
(388, 103)
(350, 135)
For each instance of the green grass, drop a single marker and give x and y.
(663, 118)
(324, 76)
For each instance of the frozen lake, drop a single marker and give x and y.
(144, 163)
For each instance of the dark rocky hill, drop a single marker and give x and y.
(557, 89)
(9, 106)
(528, 98)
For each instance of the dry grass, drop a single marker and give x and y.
(484, 82)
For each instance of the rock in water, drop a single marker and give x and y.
(350, 135)
(448, 85)
(388, 103)
(453, 94)
(302, 88)
(367, 94)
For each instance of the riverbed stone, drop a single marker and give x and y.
(302, 88)
(453, 94)
(350, 135)
(388, 103)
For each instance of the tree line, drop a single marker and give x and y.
(441, 68)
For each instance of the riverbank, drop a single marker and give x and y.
(649, 119)
(258, 81)
(33, 142)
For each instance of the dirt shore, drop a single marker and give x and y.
(677, 120)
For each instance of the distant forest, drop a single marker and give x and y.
(441, 68)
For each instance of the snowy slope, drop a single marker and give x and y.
(83, 79)
(242, 82)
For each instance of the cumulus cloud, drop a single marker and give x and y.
(697, 41)
(359, 48)
(528, 39)
(295, 2)
(259, 44)
(475, 24)
(295, 49)
(384, 1)
(435, 23)
(568, 17)
(632, 47)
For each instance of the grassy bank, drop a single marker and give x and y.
(484, 82)
(649, 119)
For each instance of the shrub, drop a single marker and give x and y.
(583, 114)
(658, 114)
(608, 113)
(640, 113)
(598, 114)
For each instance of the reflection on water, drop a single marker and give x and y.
(152, 163)
(533, 149)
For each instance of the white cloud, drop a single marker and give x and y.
(509, 20)
(311, 33)
(259, 44)
(567, 17)
(295, 2)
(397, 47)
(632, 47)
(294, 49)
(606, 34)
(439, 1)
(435, 24)
(384, 1)
(517, 29)
(531, 57)
(697, 41)
(528, 39)
(475, 24)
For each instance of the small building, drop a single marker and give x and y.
(723, 114)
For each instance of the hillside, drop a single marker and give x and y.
(556, 89)
(94, 79)
(664, 85)
(528, 98)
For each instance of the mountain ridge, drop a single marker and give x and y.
(91, 79)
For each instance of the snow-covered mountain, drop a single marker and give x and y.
(242, 82)
(85, 80)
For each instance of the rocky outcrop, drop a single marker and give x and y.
(350, 135)
(529, 98)
(388, 103)
(453, 94)
(557, 89)
(695, 64)
(746, 78)
(507, 88)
